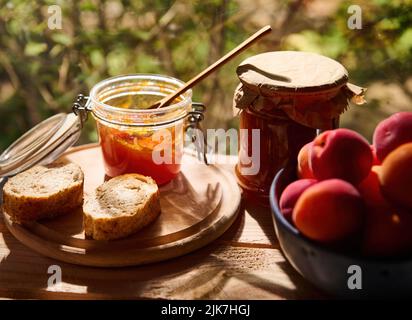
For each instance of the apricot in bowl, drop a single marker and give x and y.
(392, 133)
(396, 176)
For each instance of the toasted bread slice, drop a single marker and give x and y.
(121, 207)
(43, 192)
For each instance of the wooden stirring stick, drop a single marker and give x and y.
(245, 44)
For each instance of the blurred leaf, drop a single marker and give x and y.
(57, 49)
(62, 38)
(404, 44)
(142, 35)
(34, 48)
(88, 6)
(146, 63)
(117, 61)
(388, 24)
(97, 58)
(304, 41)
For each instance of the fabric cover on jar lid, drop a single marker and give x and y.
(310, 88)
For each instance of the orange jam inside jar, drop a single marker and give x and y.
(134, 138)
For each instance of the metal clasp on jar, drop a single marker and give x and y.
(81, 108)
(195, 130)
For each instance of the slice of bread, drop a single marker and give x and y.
(43, 192)
(121, 207)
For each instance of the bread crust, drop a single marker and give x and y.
(23, 206)
(106, 227)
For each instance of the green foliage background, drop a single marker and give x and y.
(42, 70)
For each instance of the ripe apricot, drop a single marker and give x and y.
(370, 189)
(396, 176)
(329, 211)
(304, 170)
(391, 133)
(341, 154)
(291, 195)
(388, 232)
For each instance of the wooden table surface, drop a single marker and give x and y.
(245, 263)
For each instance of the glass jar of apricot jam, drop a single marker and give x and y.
(285, 96)
(135, 138)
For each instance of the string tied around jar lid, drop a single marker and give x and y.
(310, 89)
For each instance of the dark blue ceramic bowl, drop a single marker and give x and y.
(335, 272)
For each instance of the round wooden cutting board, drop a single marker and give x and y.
(197, 207)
